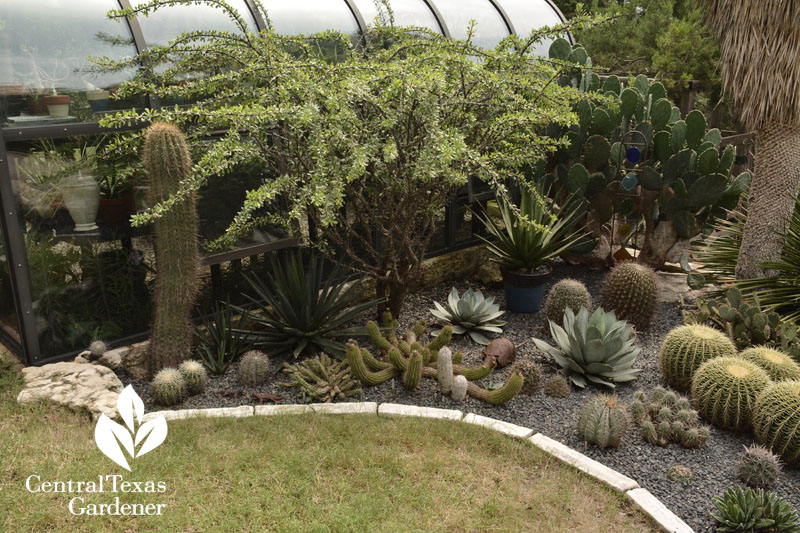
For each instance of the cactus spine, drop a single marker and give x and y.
(413, 372)
(566, 293)
(168, 164)
(776, 420)
(603, 422)
(759, 468)
(725, 391)
(169, 387)
(686, 348)
(631, 291)
(444, 370)
(195, 376)
(778, 365)
(253, 368)
(97, 349)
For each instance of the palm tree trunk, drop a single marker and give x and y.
(772, 197)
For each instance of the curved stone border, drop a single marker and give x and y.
(640, 497)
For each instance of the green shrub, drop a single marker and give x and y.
(471, 314)
(254, 368)
(776, 420)
(566, 293)
(169, 387)
(753, 510)
(631, 291)
(603, 421)
(686, 348)
(778, 365)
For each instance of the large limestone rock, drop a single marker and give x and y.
(93, 388)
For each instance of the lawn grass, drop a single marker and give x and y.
(303, 473)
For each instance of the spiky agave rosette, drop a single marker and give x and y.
(470, 313)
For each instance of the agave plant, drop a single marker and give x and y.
(753, 510)
(470, 313)
(301, 309)
(598, 348)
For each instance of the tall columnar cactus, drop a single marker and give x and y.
(631, 291)
(603, 421)
(725, 391)
(776, 420)
(168, 164)
(566, 293)
(686, 348)
(777, 364)
(407, 358)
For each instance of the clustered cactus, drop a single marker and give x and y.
(97, 349)
(758, 467)
(667, 417)
(254, 368)
(778, 365)
(776, 420)
(566, 293)
(603, 421)
(557, 387)
(169, 165)
(686, 348)
(195, 376)
(169, 387)
(631, 291)
(725, 390)
(408, 359)
(530, 374)
(321, 379)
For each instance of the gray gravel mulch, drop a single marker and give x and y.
(714, 466)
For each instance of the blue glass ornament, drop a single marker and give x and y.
(633, 154)
(629, 182)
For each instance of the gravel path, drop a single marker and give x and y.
(714, 466)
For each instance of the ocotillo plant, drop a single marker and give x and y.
(168, 163)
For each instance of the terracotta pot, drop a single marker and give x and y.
(57, 105)
(36, 107)
(116, 210)
(11, 90)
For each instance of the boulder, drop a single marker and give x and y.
(80, 387)
(135, 361)
(112, 358)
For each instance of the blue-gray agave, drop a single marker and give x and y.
(598, 348)
(471, 314)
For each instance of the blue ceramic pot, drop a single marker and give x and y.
(525, 292)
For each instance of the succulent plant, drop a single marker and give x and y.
(598, 348)
(470, 313)
(686, 348)
(725, 390)
(758, 467)
(680, 474)
(444, 370)
(778, 365)
(169, 387)
(663, 422)
(557, 387)
(776, 420)
(407, 358)
(459, 390)
(753, 510)
(603, 421)
(631, 291)
(323, 380)
(638, 411)
(253, 368)
(566, 293)
(97, 349)
(195, 376)
(695, 437)
(530, 373)
(650, 434)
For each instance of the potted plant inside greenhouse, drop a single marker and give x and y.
(525, 241)
(117, 177)
(57, 104)
(80, 190)
(39, 173)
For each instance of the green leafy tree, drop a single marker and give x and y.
(369, 140)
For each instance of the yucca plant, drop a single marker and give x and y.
(598, 348)
(754, 510)
(470, 313)
(221, 338)
(301, 309)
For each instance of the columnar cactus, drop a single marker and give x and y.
(725, 391)
(631, 291)
(323, 380)
(253, 368)
(603, 421)
(169, 387)
(195, 376)
(459, 390)
(776, 420)
(168, 164)
(686, 348)
(444, 370)
(758, 467)
(777, 364)
(566, 293)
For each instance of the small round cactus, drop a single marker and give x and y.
(725, 391)
(776, 420)
(695, 437)
(566, 293)
(680, 474)
(169, 387)
(638, 410)
(603, 421)
(658, 394)
(530, 375)
(631, 291)
(650, 434)
(459, 390)
(758, 467)
(253, 368)
(687, 416)
(195, 376)
(777, 364)
(97, 349)
(686, 348)
(557, 387)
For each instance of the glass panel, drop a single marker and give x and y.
(406, 13)
(45, 77)
(8, 312)
(305, 17)
(490, 28)
(528, 15)
(168, 22)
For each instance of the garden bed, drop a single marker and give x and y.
(714, 466)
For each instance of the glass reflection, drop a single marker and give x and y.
(166, 23)
(406, 13)
(490, 28)
(310, 16)
(527, 15)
